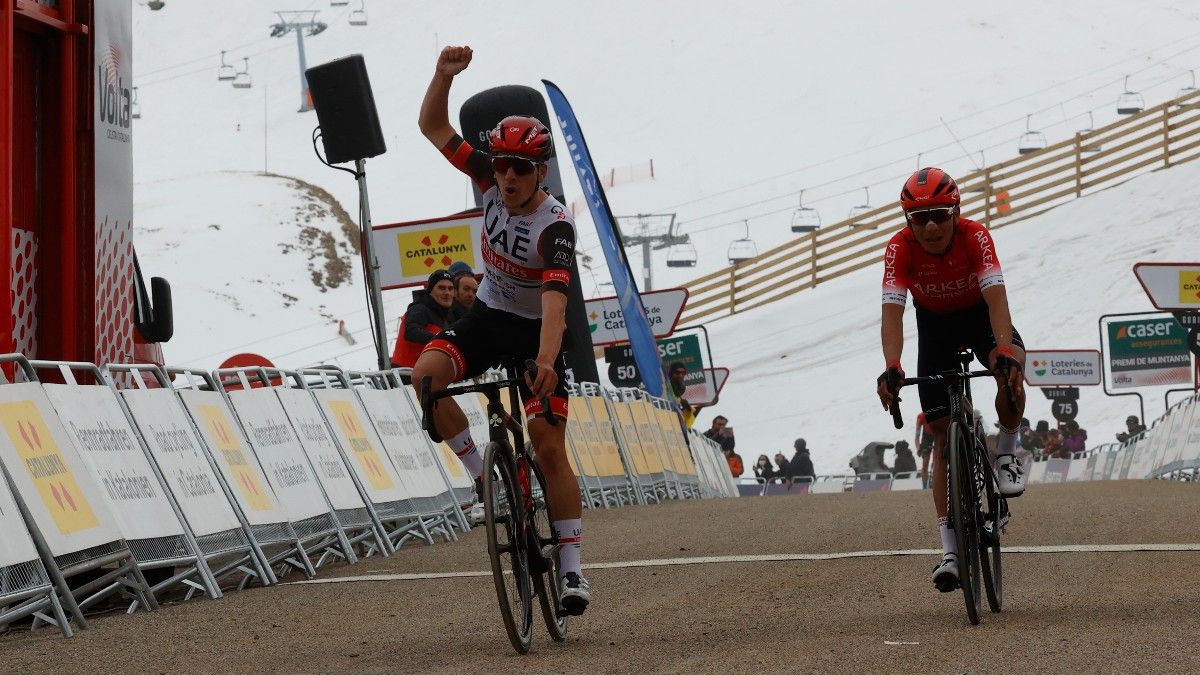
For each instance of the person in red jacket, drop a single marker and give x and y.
(425, 318)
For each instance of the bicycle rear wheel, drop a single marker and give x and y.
(544, 543)
(995, 512)
(504, 519)
(964, 511)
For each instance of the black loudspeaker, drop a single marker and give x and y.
(341, 94)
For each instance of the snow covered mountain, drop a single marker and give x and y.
(739, 108)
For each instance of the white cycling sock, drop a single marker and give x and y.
(569, 537)
(1006, 441)
(464, 447)
(948, 543)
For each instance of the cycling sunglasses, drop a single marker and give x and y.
(926, 216)
(522, 167)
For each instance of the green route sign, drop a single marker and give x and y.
(1148, 352)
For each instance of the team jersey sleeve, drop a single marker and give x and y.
(986, 262)
(557, 247)
(895, 272)
(470, 161)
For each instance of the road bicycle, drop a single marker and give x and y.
(522, 542)
(976, 510)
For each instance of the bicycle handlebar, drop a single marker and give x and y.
(894, 409)
(429, 397)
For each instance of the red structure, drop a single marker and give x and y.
(73, 282)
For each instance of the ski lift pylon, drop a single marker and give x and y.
(741, 250)
(805, 219)
(856, 211)
(135, 108)
(359, 16)
(225, 71)
(242, 79)
(1031, 140)
(1130, 102)
(1087, 144)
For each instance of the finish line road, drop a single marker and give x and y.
(1102, 576)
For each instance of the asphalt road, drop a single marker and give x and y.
(1064, 611)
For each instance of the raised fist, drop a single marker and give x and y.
(453, 60)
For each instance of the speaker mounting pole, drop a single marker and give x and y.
(372, 265)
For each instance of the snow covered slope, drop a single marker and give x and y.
(806, 366)
(739, 107)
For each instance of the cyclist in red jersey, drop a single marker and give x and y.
(949, 264)
(923, 442)
(528, 243)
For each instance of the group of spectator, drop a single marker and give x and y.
(799, 466)
(447, 297)
(1061, 442)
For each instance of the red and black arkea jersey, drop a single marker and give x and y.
(522, 255)
(949, 282)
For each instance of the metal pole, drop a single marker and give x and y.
(646, 264)
(265, 169)
(372, 266)
(304, 106)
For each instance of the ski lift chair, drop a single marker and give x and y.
(805, 219)
(135, 108)
(1188, 90)
(741, 250)
(681, 255)
(242, 79)
(359, 16)
(225, 72)
(1087, 144)
(857, 211)
(1130, 102)
(1031, 140)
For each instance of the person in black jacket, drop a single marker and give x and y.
(905, 462)
(801, 464)
(426, 316)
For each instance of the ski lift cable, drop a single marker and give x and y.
(906, 136)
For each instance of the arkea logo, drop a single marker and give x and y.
(1189, 287)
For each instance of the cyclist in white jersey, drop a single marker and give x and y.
(528, 244)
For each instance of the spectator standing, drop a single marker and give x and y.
(1054, 446)
(718, 427)
(905, 462)
(426, 316)
(763, 469)
(1133, 427)
(677, 373)
(782, 466)
(732, 458)
(1074, 438)
(924, 444)
(465, 286)
(801, 465)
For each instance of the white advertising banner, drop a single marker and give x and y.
(234, 458)
(354, 432)
(1062, 367)
(18, 547)
(181, 460)
(1192, 454)
(94, 420)
(320, 448)
(279, 451)
(459, 478)
(1173, 286)
(411, 463)
(409, 252)
(63, 498)
(607, 322)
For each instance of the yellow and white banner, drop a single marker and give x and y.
(353, 430)
(409, 252)
(319, 446)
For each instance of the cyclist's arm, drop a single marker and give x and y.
(895, 297)
(997, 301)
(892, 332)
(557, 245)
(434, 122)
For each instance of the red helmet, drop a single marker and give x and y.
(520, 136)
(927, 188)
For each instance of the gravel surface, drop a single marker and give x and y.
(1063, 611)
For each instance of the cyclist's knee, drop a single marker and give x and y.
(435, 365)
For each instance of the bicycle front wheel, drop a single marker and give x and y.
(504, 518)
(544, 545)
(994, 515)
(964, 511)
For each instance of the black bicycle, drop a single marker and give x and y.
(977, 512)
(522, 543)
